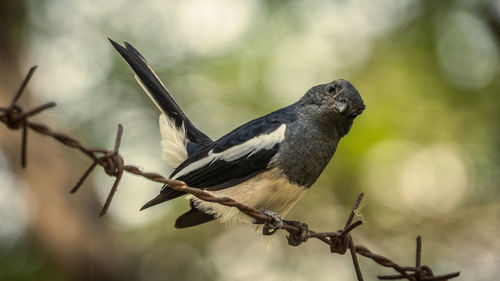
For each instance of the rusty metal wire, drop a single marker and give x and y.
(14, 117)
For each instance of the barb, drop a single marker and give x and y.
(23, 85)
(112, 162)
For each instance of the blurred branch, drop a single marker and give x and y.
(14, 117)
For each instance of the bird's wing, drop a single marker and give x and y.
(232, 159)
(180, 137)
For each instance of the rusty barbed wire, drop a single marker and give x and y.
(15, 118)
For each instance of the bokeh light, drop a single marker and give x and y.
(466, 49)
(14, 213)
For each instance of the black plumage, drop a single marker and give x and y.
(159, 93)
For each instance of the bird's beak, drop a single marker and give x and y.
(340, 106)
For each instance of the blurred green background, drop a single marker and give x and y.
(426, 150)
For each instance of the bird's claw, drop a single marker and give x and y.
(271, 228)
(278, 222)
(296, 240)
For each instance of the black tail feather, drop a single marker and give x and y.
(158, 92)
(155, 201)
(166, 194)
(192, 217)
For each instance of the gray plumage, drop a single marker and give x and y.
(312, 139)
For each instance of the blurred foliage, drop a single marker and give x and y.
(426, 150)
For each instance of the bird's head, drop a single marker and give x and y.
(336, 103)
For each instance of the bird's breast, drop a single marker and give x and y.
(305, 153)
(269, 190)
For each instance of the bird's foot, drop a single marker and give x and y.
(296, 240)
(271, 228)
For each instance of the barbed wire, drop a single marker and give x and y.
(15, 118)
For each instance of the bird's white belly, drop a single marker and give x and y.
(269, 190)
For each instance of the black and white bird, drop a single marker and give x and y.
(267, 163)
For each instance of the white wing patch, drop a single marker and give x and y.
(266, 141)
(173, 141)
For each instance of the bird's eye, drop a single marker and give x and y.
(331, 88)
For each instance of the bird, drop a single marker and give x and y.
(267, 163)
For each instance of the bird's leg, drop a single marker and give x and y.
(271, 228)
(296, 240)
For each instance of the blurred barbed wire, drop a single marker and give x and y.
(14, 117)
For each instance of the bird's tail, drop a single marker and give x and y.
(190, 218)
(179, 136)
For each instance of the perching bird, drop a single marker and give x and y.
(267, 163)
